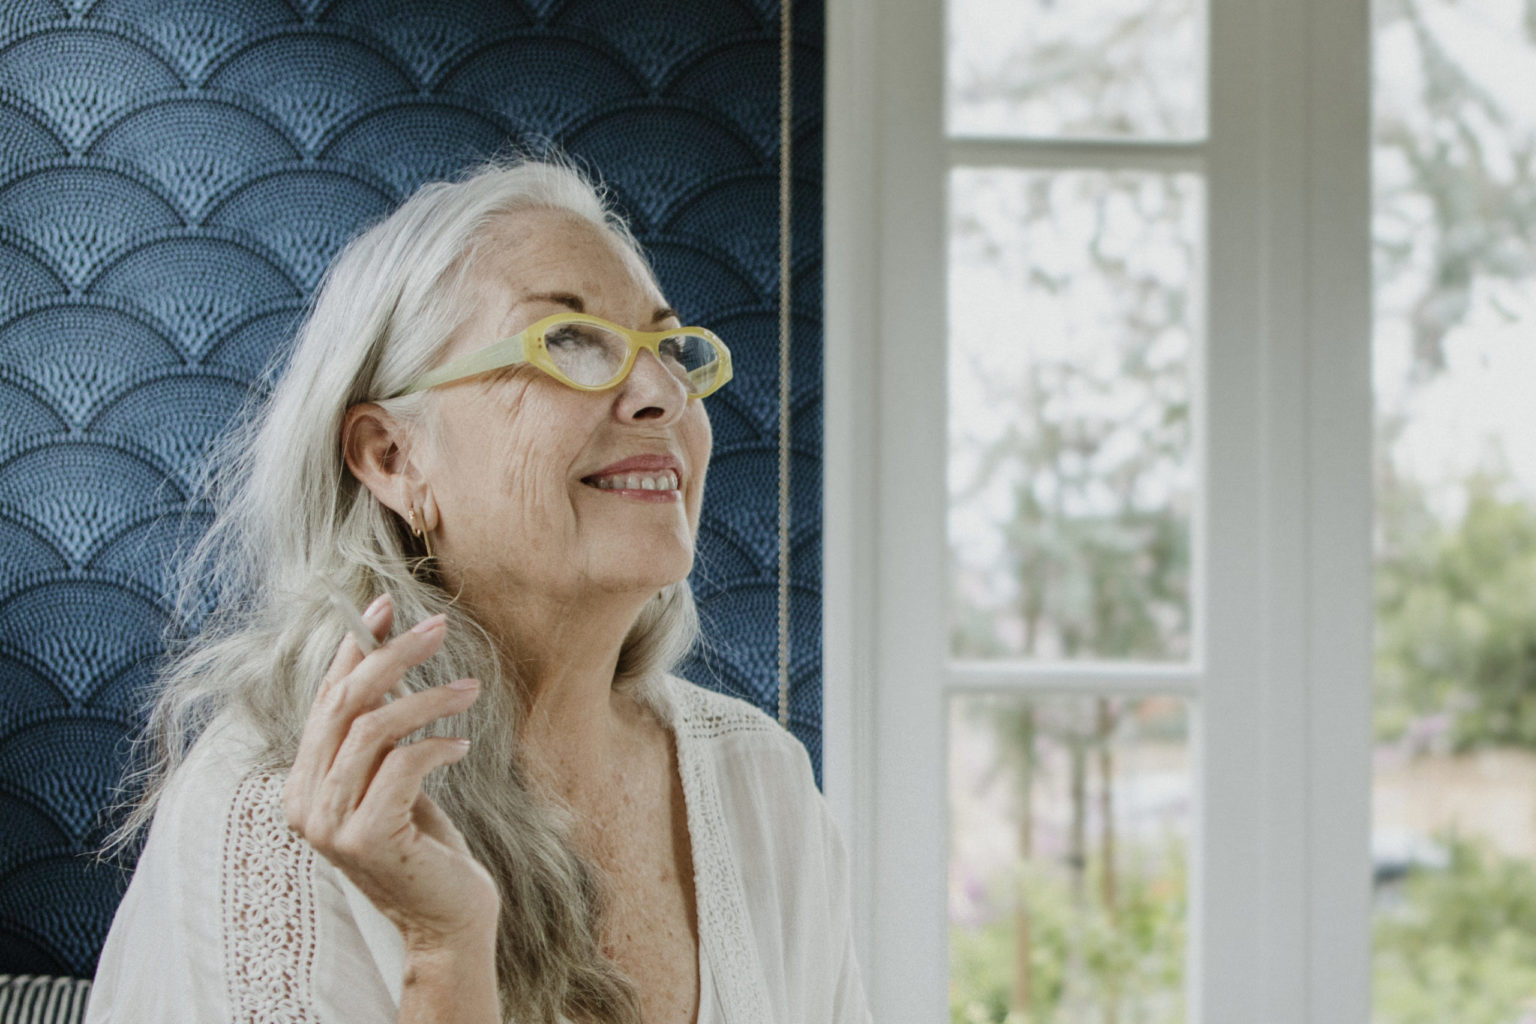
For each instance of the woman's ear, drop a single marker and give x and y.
(377, 450)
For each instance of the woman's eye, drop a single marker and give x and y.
(566, 337)
(671, 348)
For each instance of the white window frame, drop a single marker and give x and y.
(1280, 695)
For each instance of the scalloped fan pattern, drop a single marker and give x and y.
(176, 176)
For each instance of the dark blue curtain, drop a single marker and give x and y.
(174, 177)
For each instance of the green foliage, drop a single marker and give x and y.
(1456, 626)
(1131, 958)
(1108, 585)
(980, 973)
(1462, 946)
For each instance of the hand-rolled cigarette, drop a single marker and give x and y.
(359, 629)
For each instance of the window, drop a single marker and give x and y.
(1232, 237)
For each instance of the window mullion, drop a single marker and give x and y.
(908, 952)
(1280, 922)
(1077, 154)
(1092, 679)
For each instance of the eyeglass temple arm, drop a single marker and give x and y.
(506, 352)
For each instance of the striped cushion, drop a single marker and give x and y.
(36, 999)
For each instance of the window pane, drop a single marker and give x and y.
(1105, 68)
(1455, 308)
(1069, 835)
(1071, 346)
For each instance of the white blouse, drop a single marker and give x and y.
(230, 917)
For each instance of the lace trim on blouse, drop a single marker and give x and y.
(721, 905)
(269, 909)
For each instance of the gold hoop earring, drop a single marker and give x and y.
(420, 530)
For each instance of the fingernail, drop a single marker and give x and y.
(378, 605)
(428, 625)
(464, 684)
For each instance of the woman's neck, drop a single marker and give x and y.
(576, 728)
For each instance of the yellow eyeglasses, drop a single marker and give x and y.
(589, 353)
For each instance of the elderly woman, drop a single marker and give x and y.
(493, 429)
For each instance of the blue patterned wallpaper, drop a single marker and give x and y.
(175, 176)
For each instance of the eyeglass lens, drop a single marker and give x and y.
(592, 356)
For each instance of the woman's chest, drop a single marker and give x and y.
(650, 918)
(654, 940)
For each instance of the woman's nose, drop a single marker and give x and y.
(651, 393)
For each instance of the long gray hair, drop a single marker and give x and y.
(288, 514)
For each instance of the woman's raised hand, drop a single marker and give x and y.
(355, 793)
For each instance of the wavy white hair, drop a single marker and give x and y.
(288, 514)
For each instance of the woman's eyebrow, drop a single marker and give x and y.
(573, 302)
(569, 300)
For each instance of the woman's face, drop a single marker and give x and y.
(542, 489)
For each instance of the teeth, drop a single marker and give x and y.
(666, 480)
